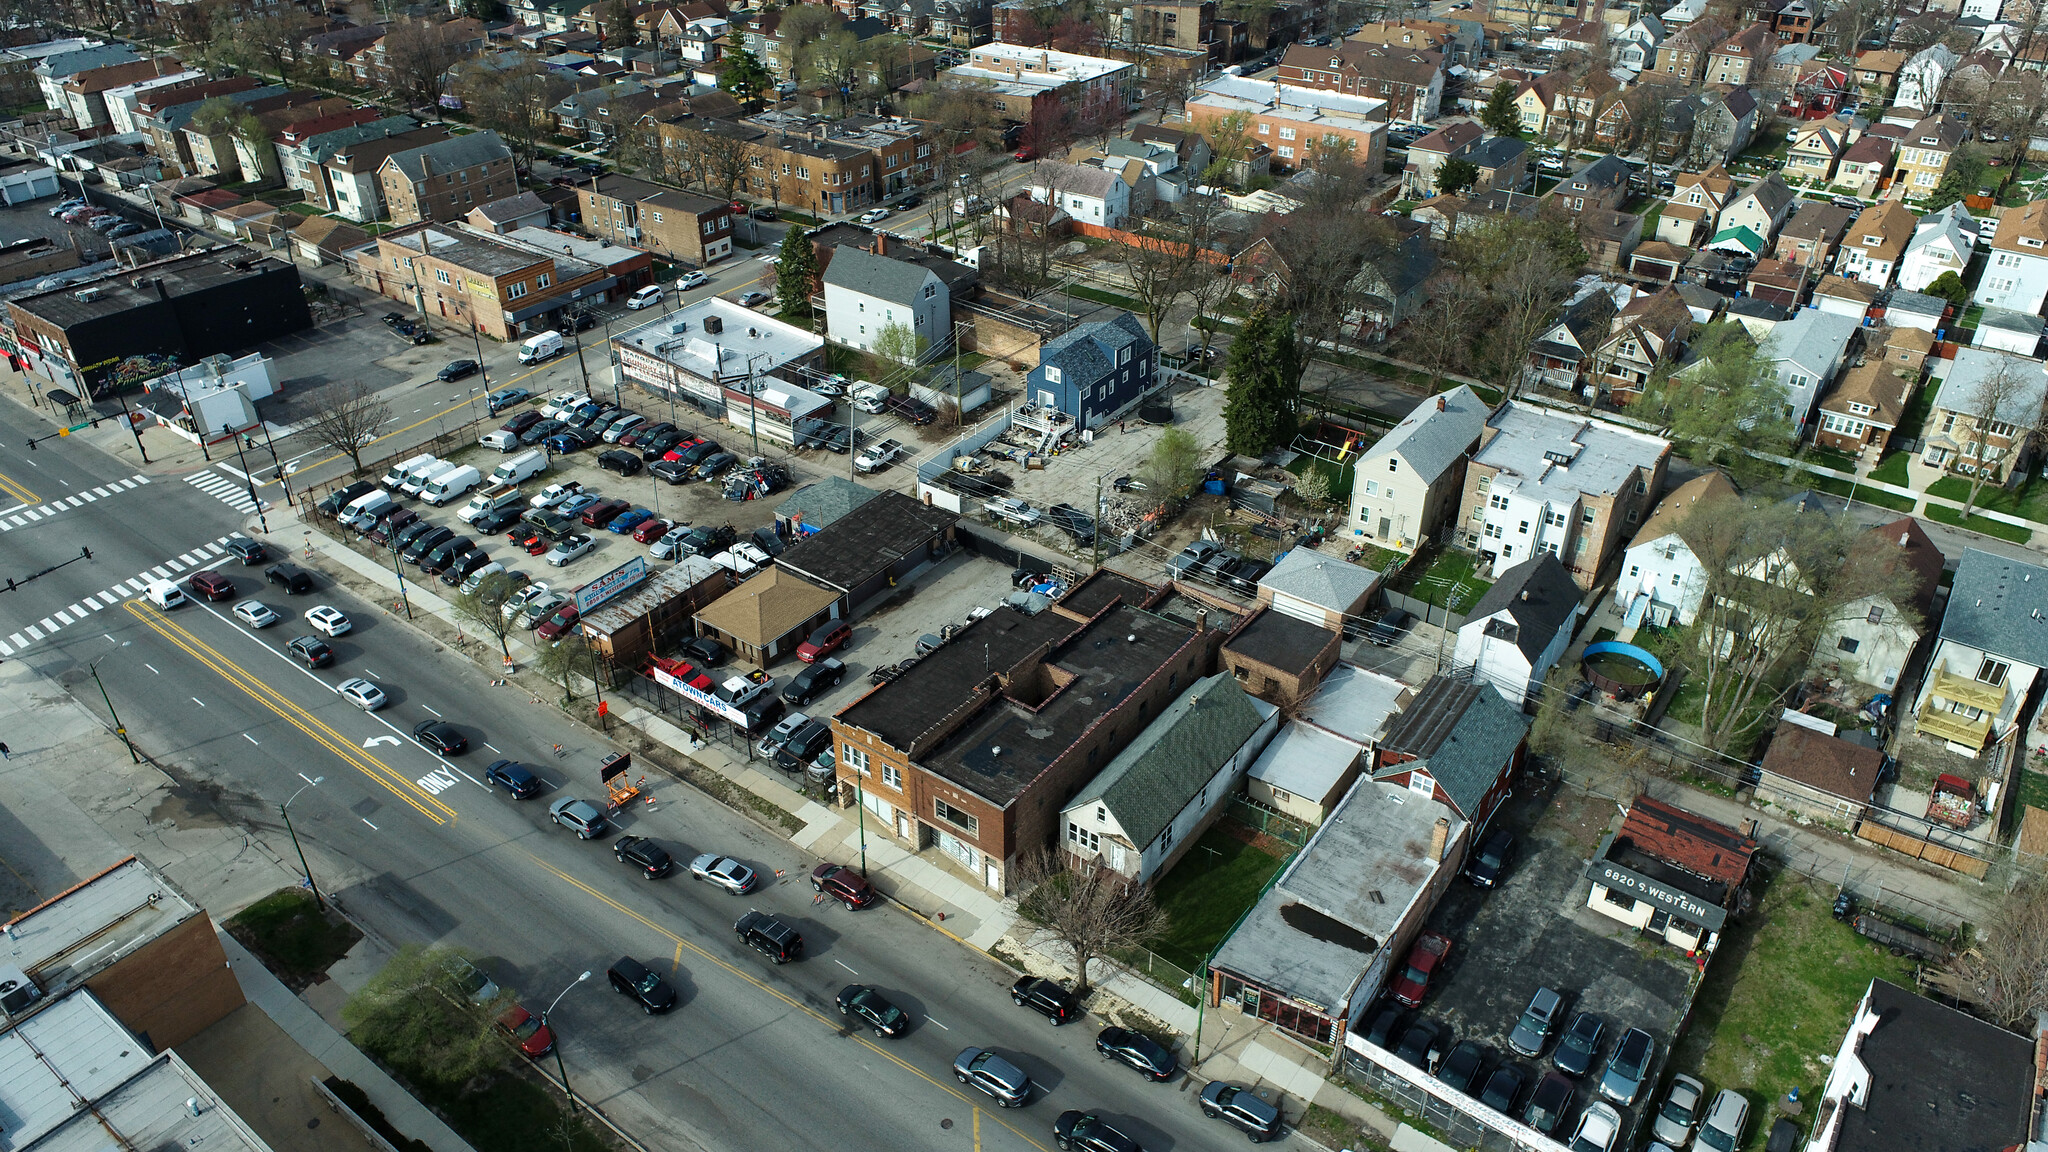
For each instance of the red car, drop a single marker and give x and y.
(601, 513)
(534, 1038)
(212, 585)
(554, 627)
(1423, 961)
(694, 677)
(650, 531)
(827, 639)
(1025, 153)
(676, 453)
(838, 882)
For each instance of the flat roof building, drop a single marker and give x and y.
(697, 353)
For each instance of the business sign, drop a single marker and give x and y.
(633, 572)
(1683, 905)
(696, 696)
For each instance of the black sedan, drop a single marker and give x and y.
(868, 1005)
(457, 369)
(516, 778)
(311, 651)
(439, 736)
(541, 431)
(1090, 1133)
(497, 521)
(652, 860)
(1138, 1050)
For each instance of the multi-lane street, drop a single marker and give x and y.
(755, 1056)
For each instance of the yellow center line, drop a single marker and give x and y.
(292, 714)
(422, 420)
(799, 1005)
(15, 490)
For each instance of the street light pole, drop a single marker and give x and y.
(861, 816)
(286, 810)
(395, 567)
(127, 417)
(261, 520)
(560, 1067)
(119, 730)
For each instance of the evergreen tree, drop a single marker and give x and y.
(1949, 287)
(1455, 176)
(796, 276)
(1500, 114)
(1260, 406)
(745, 77)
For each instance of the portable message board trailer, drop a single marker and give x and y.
(612, 771)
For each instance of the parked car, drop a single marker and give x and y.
(1628, 1067)
(1487, 865)
(689, 280)
(1387, 630)
(1580, 1047)
(1599, 1127)
(1090, 1133)
(1050, 1000)
(624, 523)
(1461, 1067)
(838, 882)
(1549, 1103)
(631, 978)
(1503, 1088)
(811, 682)
(750, 299)
(1241, 1108)
(824, 640)
(1539, 1020)
(534, 1038)
(872, 1008)
(1423, 1045)
(1721, 1129)
(1137, 1050)
(577, 816)
(569, 548)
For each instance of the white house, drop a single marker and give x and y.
(1806, 352)
(1089, 194)
(1921, 77)
(1406, 484)
(1151, 803)
(1662, 582)
(1635, 47)
(866, 294)
(1761, 208)
(1519, 629)
(2017, 277)
(1992, 643)
(1986, 10)
(1942, 242)
(1872, 639)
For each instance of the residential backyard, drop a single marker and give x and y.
(1776, 1000)
(1214, 885)
(1443, 577)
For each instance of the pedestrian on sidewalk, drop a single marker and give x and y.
(5, 754)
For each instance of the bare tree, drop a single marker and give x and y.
(1441, 331)
(347, 420)
(1093, 911)
(1997, 412)
(482, 608)
(513, 101)
(1174, 257)
(721, 161)
(1521, 270)
(2006, 966)
(419, 54)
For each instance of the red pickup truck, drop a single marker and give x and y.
(1423, 961)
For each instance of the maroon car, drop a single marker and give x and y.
(604, 511)
(838, 882)
(212, 585)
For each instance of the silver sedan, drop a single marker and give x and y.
(725, 872)
(362, 694)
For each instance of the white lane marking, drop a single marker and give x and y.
(12, 508)
(373, 827)
(250, 739)
(63, 616)
(232, 471)
(160, 572)
(371, 675)
(492, 747)
(215, 564)
(430, 709)
(198, 701)
(151, 667)
(931, 1021)
(306, 778)
(6, 651)
(849, 968)
(47, 625)
(17, 641)
(373, 741)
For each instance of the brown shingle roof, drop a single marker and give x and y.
(1872, 383)
(1680, 501)
(1701, 846)
(1906, 545)
(2027, 223)
(1823, 762)
(1890, 222)
(766, 607)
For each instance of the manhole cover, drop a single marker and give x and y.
(947, 1123)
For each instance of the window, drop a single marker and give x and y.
(1635, 569)
(1876, 616)
(1587, 516)
(1525, 527)
(1372, 487)
(853, 758)
(1287, 133)
(1052, 374)
(1992, 672)
(1497, 501)
(515, 291)
(892, 776)
(958, 819)
(1082, 839)
(544, 279)
(441, 274)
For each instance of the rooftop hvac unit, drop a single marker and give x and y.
(714, 324)
(17, 991)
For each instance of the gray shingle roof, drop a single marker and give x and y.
(858, 270)
(821, 502)
(512, 207)
(327, 145)
(1157, 773)
(1088, 353)
(452, 154)
(65, 64)
(1325, 581)
(1077, 179)
(1462, 733)
(1429, 440)
(1551, 599)
(1996, 605)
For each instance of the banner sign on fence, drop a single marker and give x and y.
(696, 696)
(625, 576)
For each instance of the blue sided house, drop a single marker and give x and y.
(1096, 372)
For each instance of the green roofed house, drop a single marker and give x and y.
(1157, 796)
(1738, 241)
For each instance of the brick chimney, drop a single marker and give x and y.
(1439, 838)
(881, 244)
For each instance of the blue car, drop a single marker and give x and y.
(626, 521)
(504, 398)
(575, 505)
(563, 443)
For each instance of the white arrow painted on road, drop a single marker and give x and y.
(373, 741)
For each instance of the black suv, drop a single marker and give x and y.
(1138, 1050)
(335, 502)
(292, 578)
(426, 542)
(246, 550)
(808, 684)
(650, 858)
(1046, 998)
(631, 978)
(770, 937)
(620, 460)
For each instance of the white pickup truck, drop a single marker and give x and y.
(1013, 510)
(877, 456)
(490, 500)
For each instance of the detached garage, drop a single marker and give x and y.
(1322, 590)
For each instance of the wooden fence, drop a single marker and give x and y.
(1920, 848)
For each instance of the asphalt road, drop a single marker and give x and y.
(754, 1057)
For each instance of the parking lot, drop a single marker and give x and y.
(1535, 931)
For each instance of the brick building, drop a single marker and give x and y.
(1410, 80)
(502, 286)
(444, 180)
(826, 166)
(679, 225)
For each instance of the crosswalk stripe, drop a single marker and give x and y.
(101, 491)
(216, 550)
(175, 566)
(160, 572)
(30, 513)
(17, 521)
(46, 510)
(132, 483)
(141, 479)
(17, 641)
(62, 616)
(47, 625)
(5, 650)
(88, 496)
(32, 633)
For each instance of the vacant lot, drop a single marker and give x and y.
(1777, 998)
(288, 932)
(1209, 889)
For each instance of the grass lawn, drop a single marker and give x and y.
(1109, 298)
(1781, 989)
(287, 932)
(1838, 487)
(1447, 575)
(1892, 469)
(1831, 458)
(1656, 209)
(1946, 515)
(1340, 475)
(2029, 501)
(1207, 892)
(1917, 408)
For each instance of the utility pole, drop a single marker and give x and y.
(559, 1066)
(1095, 537)
(1450, 606)
(119, 729)
(127, 417)
(286, 810)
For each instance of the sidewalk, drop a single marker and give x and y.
(331, 1048)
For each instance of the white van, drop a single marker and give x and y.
(164, 594)
(647, 297)
(363, 510)
(450, 485)
(396, 476)
(502, 440)
(868, 396)
(520, 468)
(417, 480)
(541, 347)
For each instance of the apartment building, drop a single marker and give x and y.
(830, 166)
(2017, 277)
(1029, 85)
(444, 180)
(498, 285)
(1410, 80)
(1295, 122)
